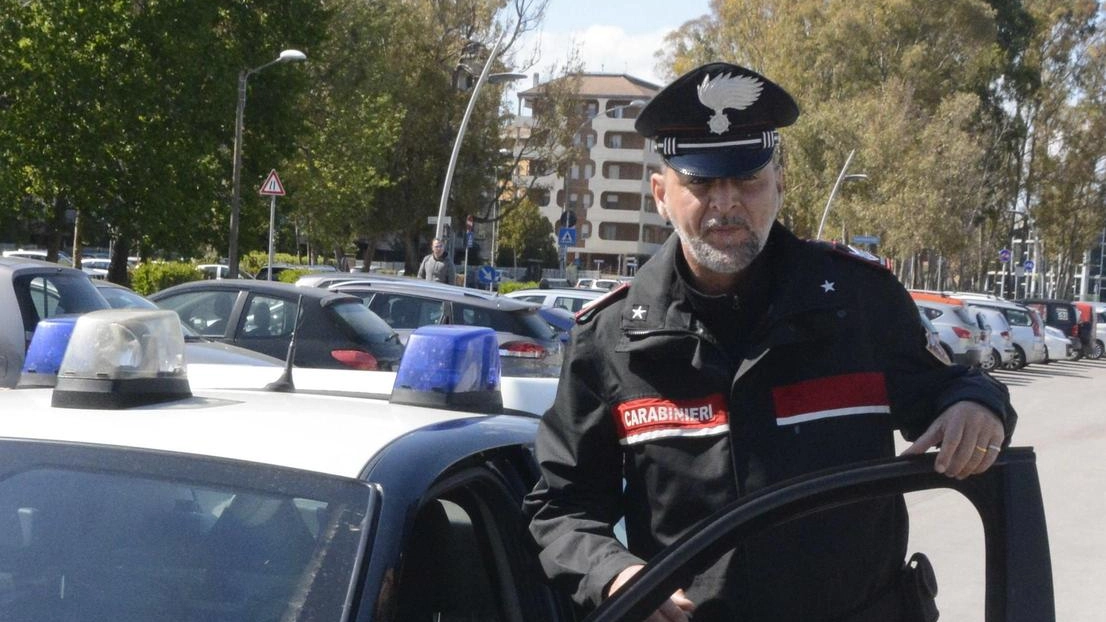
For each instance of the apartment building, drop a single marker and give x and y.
(604, 195)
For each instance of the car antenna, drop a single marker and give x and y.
(284, 384)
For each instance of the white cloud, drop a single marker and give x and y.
(605, 49)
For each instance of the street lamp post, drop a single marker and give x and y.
(637, 103)
(484, 77)
(286, 56)
(841, 177)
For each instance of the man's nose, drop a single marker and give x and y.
(725, 194)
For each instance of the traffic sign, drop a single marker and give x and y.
(468, 239)
(1004, 255)
(566, 236)
(1029, 265)
(487, 275)
(272, 186)
(865, 239)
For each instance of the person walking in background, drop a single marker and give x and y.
(437, 266)
(742, 356)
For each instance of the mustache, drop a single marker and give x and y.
(725, 221)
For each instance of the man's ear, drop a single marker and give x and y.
(656, 184)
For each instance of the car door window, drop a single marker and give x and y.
(207, 312)
(47, 295)
(461, 561)
(267, 316)
(568, 304)
(1018, 318)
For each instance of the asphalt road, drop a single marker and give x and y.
(1062, 415)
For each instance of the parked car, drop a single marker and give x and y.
(528, 345)
(39, 254)
(1100, 327)
(31, 290)
(961, 335)
(569, 299)
(1060, 314)
(95, 267)
(1025, 327)
(999, 338)
(326, 279)
(933, 339)
(197, 349)
(336, 330)
(1060, 347)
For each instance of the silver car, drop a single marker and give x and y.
(1026, 328)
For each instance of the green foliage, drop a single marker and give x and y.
(525, 234)
(290, 276)
(149, 277)
(511, 286)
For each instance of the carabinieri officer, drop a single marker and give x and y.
(742, 356)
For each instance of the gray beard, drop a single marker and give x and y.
(722, 261)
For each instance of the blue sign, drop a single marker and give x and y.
(1004, 255)
(487, 275)
(468, 239)
(865, 239)
(1029, 265)
(566, 236)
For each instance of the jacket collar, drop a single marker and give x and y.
(806, 282)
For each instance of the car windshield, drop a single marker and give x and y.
(82, 540)
(366, 325)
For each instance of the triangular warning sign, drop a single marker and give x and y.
(272, 185)
(568, 239)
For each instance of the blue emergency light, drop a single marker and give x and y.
(47, 349)
(454, 367)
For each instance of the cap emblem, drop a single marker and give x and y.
(727, 91)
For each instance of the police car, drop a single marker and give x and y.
(134, 487)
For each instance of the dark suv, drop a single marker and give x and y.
(1063, 315)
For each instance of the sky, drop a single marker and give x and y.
(613, 36)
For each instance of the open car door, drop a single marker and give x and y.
(1007, 498)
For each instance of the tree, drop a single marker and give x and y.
(525, 234)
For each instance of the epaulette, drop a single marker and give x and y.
(588, 311)
(855, 254)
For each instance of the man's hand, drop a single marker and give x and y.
(675, 609)
(970, 436)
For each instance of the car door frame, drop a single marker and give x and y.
(1008, 498)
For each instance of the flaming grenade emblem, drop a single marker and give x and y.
(727, 91)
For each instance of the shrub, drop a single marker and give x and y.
(149, 277)
(510, 286)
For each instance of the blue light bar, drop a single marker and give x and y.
(47, 349)
(454, 367)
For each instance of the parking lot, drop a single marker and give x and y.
(1061, 416)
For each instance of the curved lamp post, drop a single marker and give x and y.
(286, 56)
(484, 77)
(637, 103)
(841, 177)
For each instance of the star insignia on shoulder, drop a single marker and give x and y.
(638, 312)
(827, 286)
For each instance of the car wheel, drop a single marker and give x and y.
(1019, 359)
(1098, 350)
(989, 360)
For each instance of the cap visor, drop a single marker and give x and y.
(720, 162)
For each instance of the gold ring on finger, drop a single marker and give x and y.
(981, 448)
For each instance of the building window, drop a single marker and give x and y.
(589, 171)
(587, 199)
(618, 231)
(572, 199)
(585, 229)
(574, 172)
(616, 141)
(590, 140)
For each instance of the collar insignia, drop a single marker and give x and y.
(638, 312)
(827, 286)
(727, 91)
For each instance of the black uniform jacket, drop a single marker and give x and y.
(835, 363)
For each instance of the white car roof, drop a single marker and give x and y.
(334, 423)
(323, 433)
